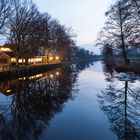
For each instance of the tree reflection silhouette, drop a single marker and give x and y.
(121, 102)
(36, 102)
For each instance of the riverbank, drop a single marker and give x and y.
(134, 66)
(19, 72)
(26, 71)
(121, 68)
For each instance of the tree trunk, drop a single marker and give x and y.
(45, 55)
(17, 60)
(26, 61)
(122, 40)
(125, 108)
(123, 49)
(126, 60)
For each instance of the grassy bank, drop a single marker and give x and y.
(134, 65)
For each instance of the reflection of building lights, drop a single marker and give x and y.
(38, 75)
(50, 58)
(9, 90)
(35, 76)
(57, 73)
(51, 75)
(22, 78)
(57, 57)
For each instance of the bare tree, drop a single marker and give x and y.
(120, 30)
(33, 33)
(22, 28)
(5, 13)
(45, 34)
(135, 4)
(62, 39)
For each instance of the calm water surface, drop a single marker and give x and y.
(77, 102)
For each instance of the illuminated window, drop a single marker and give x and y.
(5, 50)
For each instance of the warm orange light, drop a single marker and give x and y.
(21, 61)
(38, 59)
(9, 90)
(5, 50)
(51, 75)
(13, 60)
(35, 76)
(51, 58)
(57, 73)
(23, 78)
(57, 57)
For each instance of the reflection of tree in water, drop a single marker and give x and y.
(121, 102)
(35, 103)
(108, 71)
(84, 64)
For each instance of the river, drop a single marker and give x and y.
(78, 102)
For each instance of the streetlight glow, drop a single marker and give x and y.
(9, 90)
(57, 57)
(57, 73)
(51, 58)
(51, 76)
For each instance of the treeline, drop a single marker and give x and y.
(82, 54)
(121, 32)
(32, 33)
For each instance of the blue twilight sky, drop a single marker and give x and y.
(86, 17)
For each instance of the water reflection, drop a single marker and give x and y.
(120, 101)
(35, 100)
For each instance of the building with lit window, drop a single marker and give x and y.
(7, 56)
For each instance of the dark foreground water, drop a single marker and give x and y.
(77, 102)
